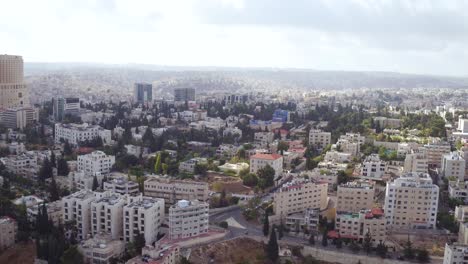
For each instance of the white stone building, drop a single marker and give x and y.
(456, 253)
(76, 133)
(319, 139)
(77, 208)
(188, 219)
(453, 165)
(373, 167)
(8, 230)
(143, 215)
(411, 202)
(259, 161)
(101, 248)
(95, 162)
(122, 186)
(107, 215)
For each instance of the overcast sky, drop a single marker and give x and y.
(392, 35)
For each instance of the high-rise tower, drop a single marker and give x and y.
(13, 90)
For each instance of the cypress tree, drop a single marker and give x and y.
(266, 225)
(95, 183)
(53, 162)
(54, 192)
(62, 167)
(272, 247)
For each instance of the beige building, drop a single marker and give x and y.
(453, 165)
(416, 162)
(354, 196)
(13, 90)
(8, 229)
(143, 215)
(101, 248)
(319, 139)
(456, 253)
(435, 152)
(259, 161)
(357, 225)
(299, 195)
(373, 167)
(173, 190)
(107, 215)
(411, 202)
(461, 213)
(188, 219)
(18, 117)
(77, 208)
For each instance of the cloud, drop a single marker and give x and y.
(388, 35)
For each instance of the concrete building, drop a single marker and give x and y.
(188, 219)
(453, 165)
(373, 167)
(299, 195)
(350, 143)
(79, 180)
(143, 215)
(65, 106)
(337, 157)
(259, 161)
(95, 162)
(189, 166)
(352, 197)
(411, 202)
(263, 138)
(173, 190)
(184, 94)
(307, 220)
(435, 152)
(458, 190)
(461, 213)
(231, 99)
(101, 248)
(416, 162)
(18, 117)
(77, 208)
(319, 139)
(143, 92)
(107, 215)
(76, 133)
(13, 90)
(8, 230)
(24, 165)
(463, 125)
(357, 225)
(456, 253)
(54, 212)
(122, 186)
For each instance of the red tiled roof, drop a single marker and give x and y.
(266, 156)
(377, 211)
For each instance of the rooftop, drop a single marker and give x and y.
(266, 156)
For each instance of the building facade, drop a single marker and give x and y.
(107, 215)
(65, 106)
(373, 167)
(77, 208)
(453, 166)
(188, 219)
(8, 230)
(355, 196)
(357, 225)
(411, 202)
(96, 162)
(76, 133)
(319, 139)
(259, 161)
(13, 90)
(184, 94)
(143, 92)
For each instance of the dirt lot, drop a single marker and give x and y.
(19, 254)
(435, 244)
(230, 252)
(231, 184)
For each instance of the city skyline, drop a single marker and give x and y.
(425, 37)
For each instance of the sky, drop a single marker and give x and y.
(410, 36)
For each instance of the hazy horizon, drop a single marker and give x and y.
(424, 37)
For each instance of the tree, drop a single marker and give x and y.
(72, 256)
(67, 150)
(266, 176)
(381, 249)
(280, 230)
(157, 164)
(367, 244)
(53, 162)
(266, 225)
(312, 239)
(46, 171)
(408, 249)
(139, 242)
(62, 167)
(272, 247)
(42, 220)
(54, 191)
(423, 256)
(95, 183)
(353, 246)
(325, 238)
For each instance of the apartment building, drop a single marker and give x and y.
(411, 202)
(122, 186)
(350, 143)
(13, 90)
(373, 167)
(8, 230)
(435, 152)
(143, 215)
(79, 180)
(416, 162)
(461, 213)
(357, 225)
(173, 190)
(18, 117)
(96, 162)
(76, 133)
(259, 161)
(184, 94)
(307, 220)
(319, 139)
(453, 166)
(54, 212)
(338, 157)
(24, 165)
(101, 248)
(456, 253)
(354, 196)
(77, 208)
(189, 166)
(263, 138)
(107, 214)
(458, 190)
(65, 106)
(188, 219)
(299, 195)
